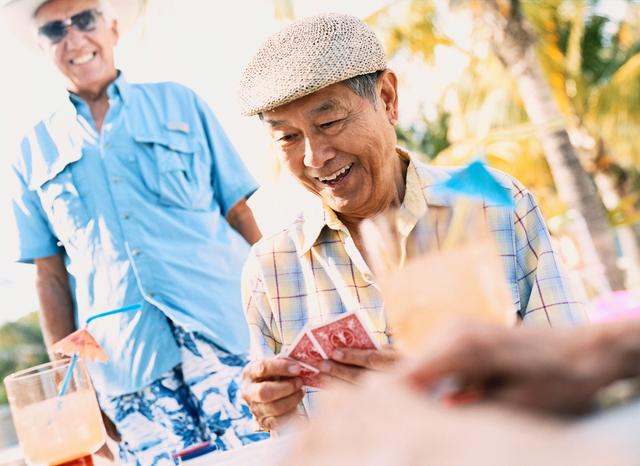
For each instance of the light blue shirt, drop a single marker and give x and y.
(139, 210)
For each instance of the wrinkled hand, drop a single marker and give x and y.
(349, 365)
(272, 389)
(552, 370)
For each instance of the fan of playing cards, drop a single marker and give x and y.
(316, 343)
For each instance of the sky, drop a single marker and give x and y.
(195, 42)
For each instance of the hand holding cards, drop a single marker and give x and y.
(315, 344)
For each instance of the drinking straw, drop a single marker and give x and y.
(67, 376)
(74, 357)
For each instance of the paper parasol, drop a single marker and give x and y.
(82, 343)
(475, 181)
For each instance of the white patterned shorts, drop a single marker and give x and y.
(196, 401)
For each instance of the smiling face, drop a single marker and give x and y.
(85, 58)
(342, 148)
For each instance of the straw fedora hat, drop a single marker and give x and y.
(18, 16)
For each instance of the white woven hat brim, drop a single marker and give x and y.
(17, 15)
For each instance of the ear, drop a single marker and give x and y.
(388, 94)
(115, 31)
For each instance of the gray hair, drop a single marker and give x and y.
(108, 12)
(364, 85)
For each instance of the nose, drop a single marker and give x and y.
(74, 39)
(317, 151)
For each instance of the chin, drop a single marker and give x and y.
(339, 205)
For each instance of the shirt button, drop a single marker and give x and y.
(116, 179)
(152, 294)
(126, 216)
(107, 145)
(135, 252)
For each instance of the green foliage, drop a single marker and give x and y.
(590, 60)
(415, 32)
(428, 138)
(21, 346)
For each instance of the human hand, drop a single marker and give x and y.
(349, 365)
(382, 422)
(112, 432)
(272, 389)
(545, 369)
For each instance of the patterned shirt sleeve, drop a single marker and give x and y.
(546, 293)
(258, 312)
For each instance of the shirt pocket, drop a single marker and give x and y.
(65, 208)
(172, 166)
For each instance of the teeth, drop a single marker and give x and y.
(81, 60)
(335, 175)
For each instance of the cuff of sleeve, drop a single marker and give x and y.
(242, 192)
(28, 255)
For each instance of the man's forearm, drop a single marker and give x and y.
(56, 306)
(241, 218)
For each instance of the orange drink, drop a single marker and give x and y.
(54, 429)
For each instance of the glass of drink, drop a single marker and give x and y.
(448, 266)
(53, 429)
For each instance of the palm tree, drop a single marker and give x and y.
(547, 108)
(513, 42)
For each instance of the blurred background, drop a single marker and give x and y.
(546, 90)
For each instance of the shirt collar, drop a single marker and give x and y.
(414, 206)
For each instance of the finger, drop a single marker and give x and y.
(273, 424)
(341, 371)
(268, 391)
(277, 408)
(467, 356)
(270, 368)
(105, 452)
(370, 359)
(110, 427)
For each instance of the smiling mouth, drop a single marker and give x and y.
(336, 177)
(82, 59)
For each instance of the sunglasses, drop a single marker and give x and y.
(84, 21)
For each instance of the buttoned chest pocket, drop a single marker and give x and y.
(173, 166)
(65, 208)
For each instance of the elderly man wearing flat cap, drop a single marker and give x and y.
(132, 193)
(322, 88)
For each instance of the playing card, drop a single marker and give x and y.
(346, 331)
(310, 376)
(306, 352)
(305, 349)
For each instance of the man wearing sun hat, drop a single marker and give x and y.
(322, 88)
(132, 193)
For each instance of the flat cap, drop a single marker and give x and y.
(306, 56)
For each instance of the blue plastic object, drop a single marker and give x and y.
(475, 181)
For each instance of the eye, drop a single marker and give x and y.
(329, 124)
(286, 138)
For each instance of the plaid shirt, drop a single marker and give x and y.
(312, 271)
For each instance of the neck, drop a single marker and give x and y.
(97, 100)
(95, 93)
(393, 199)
